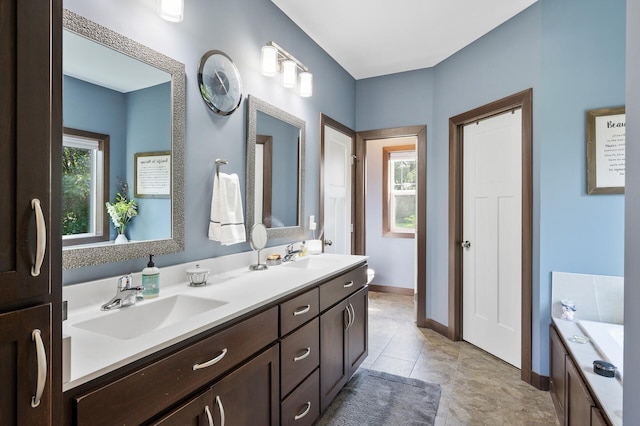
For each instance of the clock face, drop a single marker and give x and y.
(219, 82)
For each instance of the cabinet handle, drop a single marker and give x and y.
(41, 237)
(304, 413)
(303, 356)
(348, 318)
(347, 285)
(353, 314)
(210, 362)
(221, 408)
(208, 413)
(42, 367)
(302, 311)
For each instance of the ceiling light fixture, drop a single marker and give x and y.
(171, 10)
(275, 58)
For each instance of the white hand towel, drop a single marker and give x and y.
(227, 221)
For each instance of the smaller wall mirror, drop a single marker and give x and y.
(275, 172)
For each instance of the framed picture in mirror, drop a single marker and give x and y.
(152, 174)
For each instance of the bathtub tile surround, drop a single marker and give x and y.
(599, 299)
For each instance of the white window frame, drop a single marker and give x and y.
(392, 154)
(98, 144)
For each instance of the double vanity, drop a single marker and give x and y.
(251, 347)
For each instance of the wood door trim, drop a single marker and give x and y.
(325, 120)
(420, 132)
(519, 100)
(267, 185)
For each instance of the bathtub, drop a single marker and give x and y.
(608, 340)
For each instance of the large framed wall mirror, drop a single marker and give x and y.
(275, 170)
(124, 96)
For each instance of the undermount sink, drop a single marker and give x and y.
(310, 262)
(147, 316)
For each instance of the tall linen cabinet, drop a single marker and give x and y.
(30, 242)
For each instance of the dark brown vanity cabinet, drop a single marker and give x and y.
(266, 369)
(570, 394)
(247, 396)
(30, 249)
(343, 343)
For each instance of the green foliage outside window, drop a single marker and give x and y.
(76, 190)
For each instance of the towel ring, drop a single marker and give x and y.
(218, 163)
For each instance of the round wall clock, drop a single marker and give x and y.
(219, 82)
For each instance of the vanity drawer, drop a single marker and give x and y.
(297, 311)
(302, 407)
(341, 287)
(299, 356)
(143, 393)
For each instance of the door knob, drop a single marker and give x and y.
(465, 244)
(328, 242)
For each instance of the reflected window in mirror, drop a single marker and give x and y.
(85, 184)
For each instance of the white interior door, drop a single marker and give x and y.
(492, 225)
(337, 191)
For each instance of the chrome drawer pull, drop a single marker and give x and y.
(302, 311)
(303, 356)
(42, 367)
(210, 362)
(209, 417)
(41, 237)
(304, 413)
(353, 314)
(349, 284)
(221, 407)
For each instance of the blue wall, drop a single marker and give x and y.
(138, 121)
(572, 54)
(149, 130)
(240, 28)
(285, 140)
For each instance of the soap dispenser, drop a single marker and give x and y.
(150, 280)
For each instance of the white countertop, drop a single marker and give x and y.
(92, 355)
(608, 390)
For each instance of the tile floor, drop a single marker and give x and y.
(477, 388)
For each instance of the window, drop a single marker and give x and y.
(85, 180)
(399, 191)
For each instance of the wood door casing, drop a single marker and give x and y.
(522, 100)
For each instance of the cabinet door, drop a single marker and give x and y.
(19, 364)
(196, 412)
(557, 376)
(334, 366)
(25, 147)
(578, 402)
(250, 394)
(358, 331)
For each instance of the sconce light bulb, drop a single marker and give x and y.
(269, 65)
(171, 10)
(289, 76)
(306, 84)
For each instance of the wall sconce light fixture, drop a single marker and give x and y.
(171, 10)
(275, 58)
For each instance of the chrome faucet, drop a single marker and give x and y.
(126, 294)
(290, 253)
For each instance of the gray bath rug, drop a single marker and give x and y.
(377, 398)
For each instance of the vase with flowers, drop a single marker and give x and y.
(122, 213)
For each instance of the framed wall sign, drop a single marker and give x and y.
(606, 150)
(152, 174)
